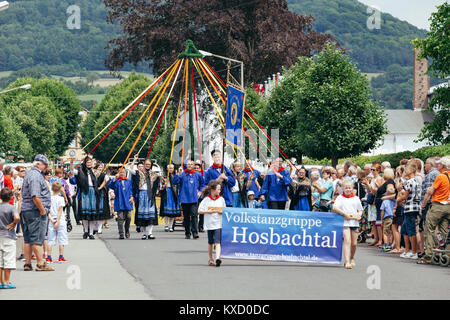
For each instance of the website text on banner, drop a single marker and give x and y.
(279, 235)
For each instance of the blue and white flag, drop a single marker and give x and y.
(280, 235)
(235, 112)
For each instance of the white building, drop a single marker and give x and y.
(404, 126)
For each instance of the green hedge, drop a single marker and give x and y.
(393, 158)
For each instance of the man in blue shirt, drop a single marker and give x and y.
(190, 182)
(252, 175)
(275, 186)
(222, 174)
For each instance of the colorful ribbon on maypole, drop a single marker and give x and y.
(148, 120)
(139, 99)
(161, 89)
(176, 127)
(196, 122)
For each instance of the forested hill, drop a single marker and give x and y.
(35, 34)
(373, 50)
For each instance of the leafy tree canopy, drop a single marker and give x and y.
(265, 35)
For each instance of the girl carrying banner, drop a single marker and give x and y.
(212, 206)
(349, 205)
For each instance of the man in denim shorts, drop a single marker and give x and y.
(35, 207)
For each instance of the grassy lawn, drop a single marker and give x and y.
(90, 97)
(4, 74)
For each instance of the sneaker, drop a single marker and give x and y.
(121, 237)
(405, 254)
(49, 259)
(166, 229)
(21, 257)
(61, 259)
(413, 256)
(170, 230)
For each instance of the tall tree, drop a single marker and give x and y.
(11, 137)
(335, 114)
(278, 112)
(62, 103)
(437, 47)
(263, 34)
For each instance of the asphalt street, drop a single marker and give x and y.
(90, 273)
(171, 267)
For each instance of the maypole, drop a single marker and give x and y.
(191, 53)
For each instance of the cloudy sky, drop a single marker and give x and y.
(415, 12)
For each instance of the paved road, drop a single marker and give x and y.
(91, 272)
(171, 267)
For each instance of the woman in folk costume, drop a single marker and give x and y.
(88, 195)
(103, 195)
(145, 188)
(300, 192)
(170, 206)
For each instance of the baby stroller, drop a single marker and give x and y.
(441, 256)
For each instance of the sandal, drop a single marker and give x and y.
(211, 263)
(348, 266)
(27, 267)
(44, 267)
(352, 263)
